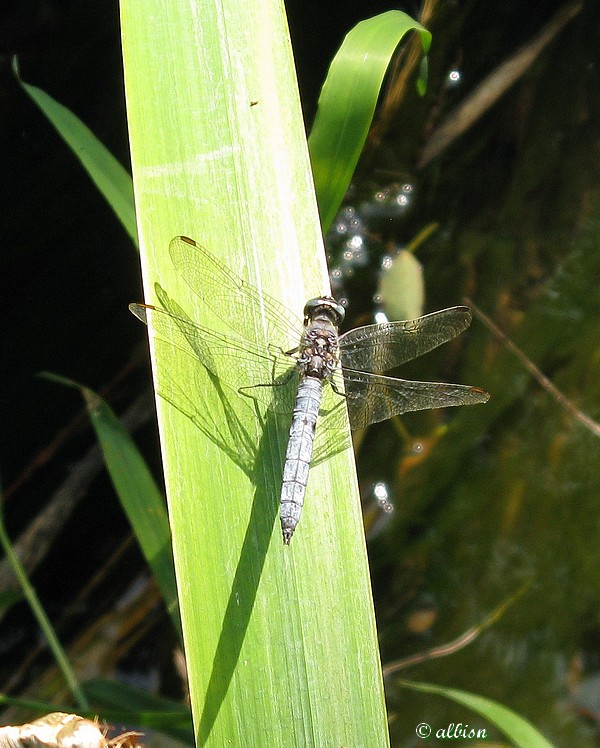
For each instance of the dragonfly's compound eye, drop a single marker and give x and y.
(334, 310)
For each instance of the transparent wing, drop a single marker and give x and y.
(381, 347)
(231, 298)
(229, 422)
(237, 364)
(372, 398)
(265, 375)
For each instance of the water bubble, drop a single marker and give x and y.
(382, 496)
(453, 79)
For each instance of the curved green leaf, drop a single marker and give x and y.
(111, 179)
(515, 727)
(347, 103)
(38, 611)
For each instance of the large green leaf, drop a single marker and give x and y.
(280, 641)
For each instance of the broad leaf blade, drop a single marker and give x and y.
(280, 642)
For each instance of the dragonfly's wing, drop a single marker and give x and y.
(332, 434)
(261, 374)
(203, 352)
(372, 398)
(229, 420)
(384, 346)
(232, 299)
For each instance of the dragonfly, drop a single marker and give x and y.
(289, 372)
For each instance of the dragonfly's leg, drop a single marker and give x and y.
(277, 350)
(259, 416)
(337, 392)
(276, 383)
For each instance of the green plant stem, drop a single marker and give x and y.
(42, 619)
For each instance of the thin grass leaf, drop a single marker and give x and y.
(40, 614)
(138, 493)
(517, 728)
(111, 179)
(347, 103)
(464, 640)
(280, 642)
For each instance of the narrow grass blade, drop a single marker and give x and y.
(137, 491)
(347, 103)
(517, 728)
(111, 179)
(43, 621)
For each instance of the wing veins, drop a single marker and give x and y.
(385, 397)
(384, 346)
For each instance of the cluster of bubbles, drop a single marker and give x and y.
(377, 509)
(382, 497)
(355, 239)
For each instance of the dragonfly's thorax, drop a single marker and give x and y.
(319, 353)
(318, 350)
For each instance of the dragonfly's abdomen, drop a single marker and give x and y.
(299, 453)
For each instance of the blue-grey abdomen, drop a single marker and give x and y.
(299, 453)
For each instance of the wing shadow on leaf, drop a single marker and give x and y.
(232, 426)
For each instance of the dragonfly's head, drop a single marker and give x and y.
(324, 306)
